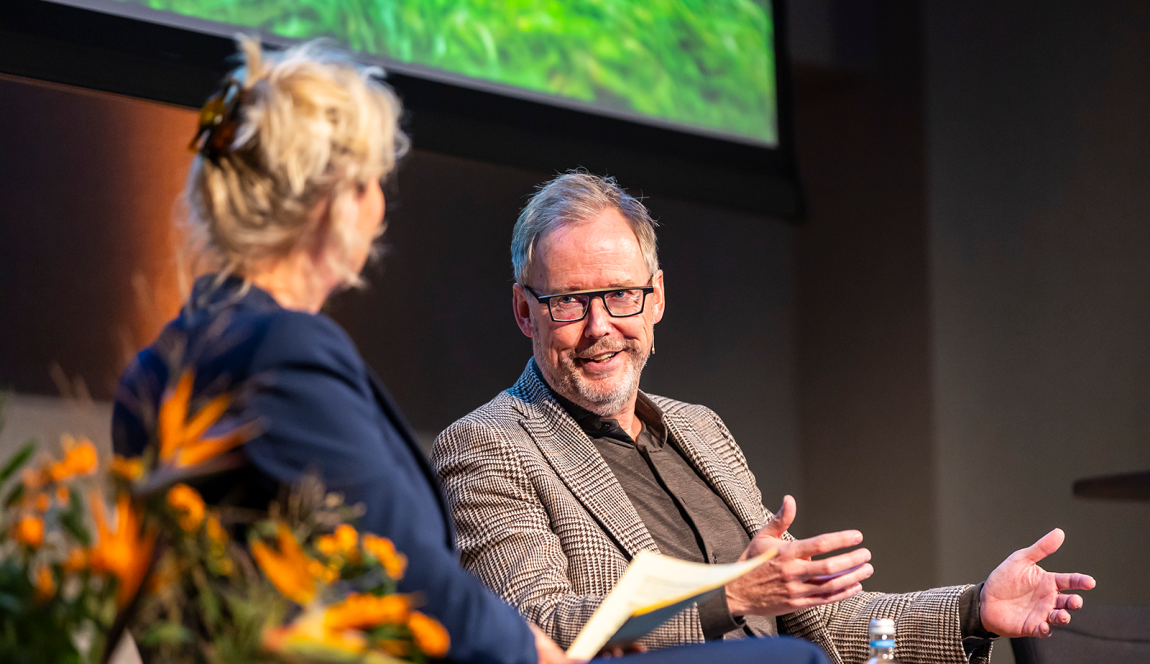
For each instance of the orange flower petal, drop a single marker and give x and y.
(216, 532)
(126, 552)
(206, 417)
(292, 582)
(137, 570)
(30, 531)
(129, 469)
(45, 584)
(361, 611)
(189, 503)
(173, 414)
(203, 450)
(77, 560)
(83, 459)
(430, 636)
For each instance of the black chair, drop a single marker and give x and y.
(1097, 634)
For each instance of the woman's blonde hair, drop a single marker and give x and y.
(312, 126)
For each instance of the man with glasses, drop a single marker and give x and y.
(559, 481)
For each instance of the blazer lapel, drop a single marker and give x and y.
(392, 412)
(576, 461)
(713, 469)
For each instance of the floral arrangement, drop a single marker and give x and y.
(303, 586)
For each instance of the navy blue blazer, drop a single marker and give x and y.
(323, 411)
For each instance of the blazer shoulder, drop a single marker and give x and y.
(693, 411)
(501, 414)
(298, 338)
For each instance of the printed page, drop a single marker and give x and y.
(652, 582)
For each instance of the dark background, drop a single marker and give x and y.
(959, 329)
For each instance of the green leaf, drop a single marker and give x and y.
(14, 495)
(169, 633)
(73, 520)
(10, 603)
(19, 459)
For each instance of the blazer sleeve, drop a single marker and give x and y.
(504, 531)
(927, 627)
(317, 410)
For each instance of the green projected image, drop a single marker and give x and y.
(707, 64)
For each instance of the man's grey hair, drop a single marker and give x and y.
(572, 198)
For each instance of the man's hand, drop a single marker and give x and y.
(549, 652)
(791, 580)
(633, 649)
(1022, 599)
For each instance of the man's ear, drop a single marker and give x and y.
(659, 299)
(521, 306)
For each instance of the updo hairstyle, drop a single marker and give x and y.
(311, 126)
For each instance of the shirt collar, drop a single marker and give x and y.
(597, 426)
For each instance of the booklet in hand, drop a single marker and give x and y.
(654, 589)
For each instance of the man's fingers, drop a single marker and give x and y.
(1045, 546)
(782, 519)
(1074, 581)
(813, 546)
(838, 564)
(1059, 617)
(841, 583)
(819, 600)
(1042, 631)
(1071, 602)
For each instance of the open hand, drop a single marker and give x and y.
(791, 580)
(1022, 599)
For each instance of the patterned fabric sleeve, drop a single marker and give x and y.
(927, 629)
(504, 532)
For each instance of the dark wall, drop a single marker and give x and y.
(863, 325)
(1039, 205)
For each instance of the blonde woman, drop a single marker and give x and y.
(285, 201)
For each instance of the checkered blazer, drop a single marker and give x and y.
(542, 520)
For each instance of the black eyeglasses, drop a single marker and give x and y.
(572, 307)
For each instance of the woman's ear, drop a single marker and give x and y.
(320, 220)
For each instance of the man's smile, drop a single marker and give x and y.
(602, 357)
(601, 361)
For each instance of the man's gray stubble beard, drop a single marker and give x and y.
(572, 385)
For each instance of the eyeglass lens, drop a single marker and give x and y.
(625, 302)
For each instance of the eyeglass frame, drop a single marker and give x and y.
(591, 295)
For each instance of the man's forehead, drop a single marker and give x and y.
(601, 252)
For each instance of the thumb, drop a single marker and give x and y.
(782, 519)
(1045, 546)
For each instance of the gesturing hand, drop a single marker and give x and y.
(791, 580)
(1022, 599)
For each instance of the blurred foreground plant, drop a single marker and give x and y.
(303, 586)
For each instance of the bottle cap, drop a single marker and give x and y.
(881, 626)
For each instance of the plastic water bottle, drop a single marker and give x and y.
(881, 641)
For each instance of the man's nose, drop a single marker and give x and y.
(598, 320)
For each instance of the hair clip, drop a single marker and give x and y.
(218, 121)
